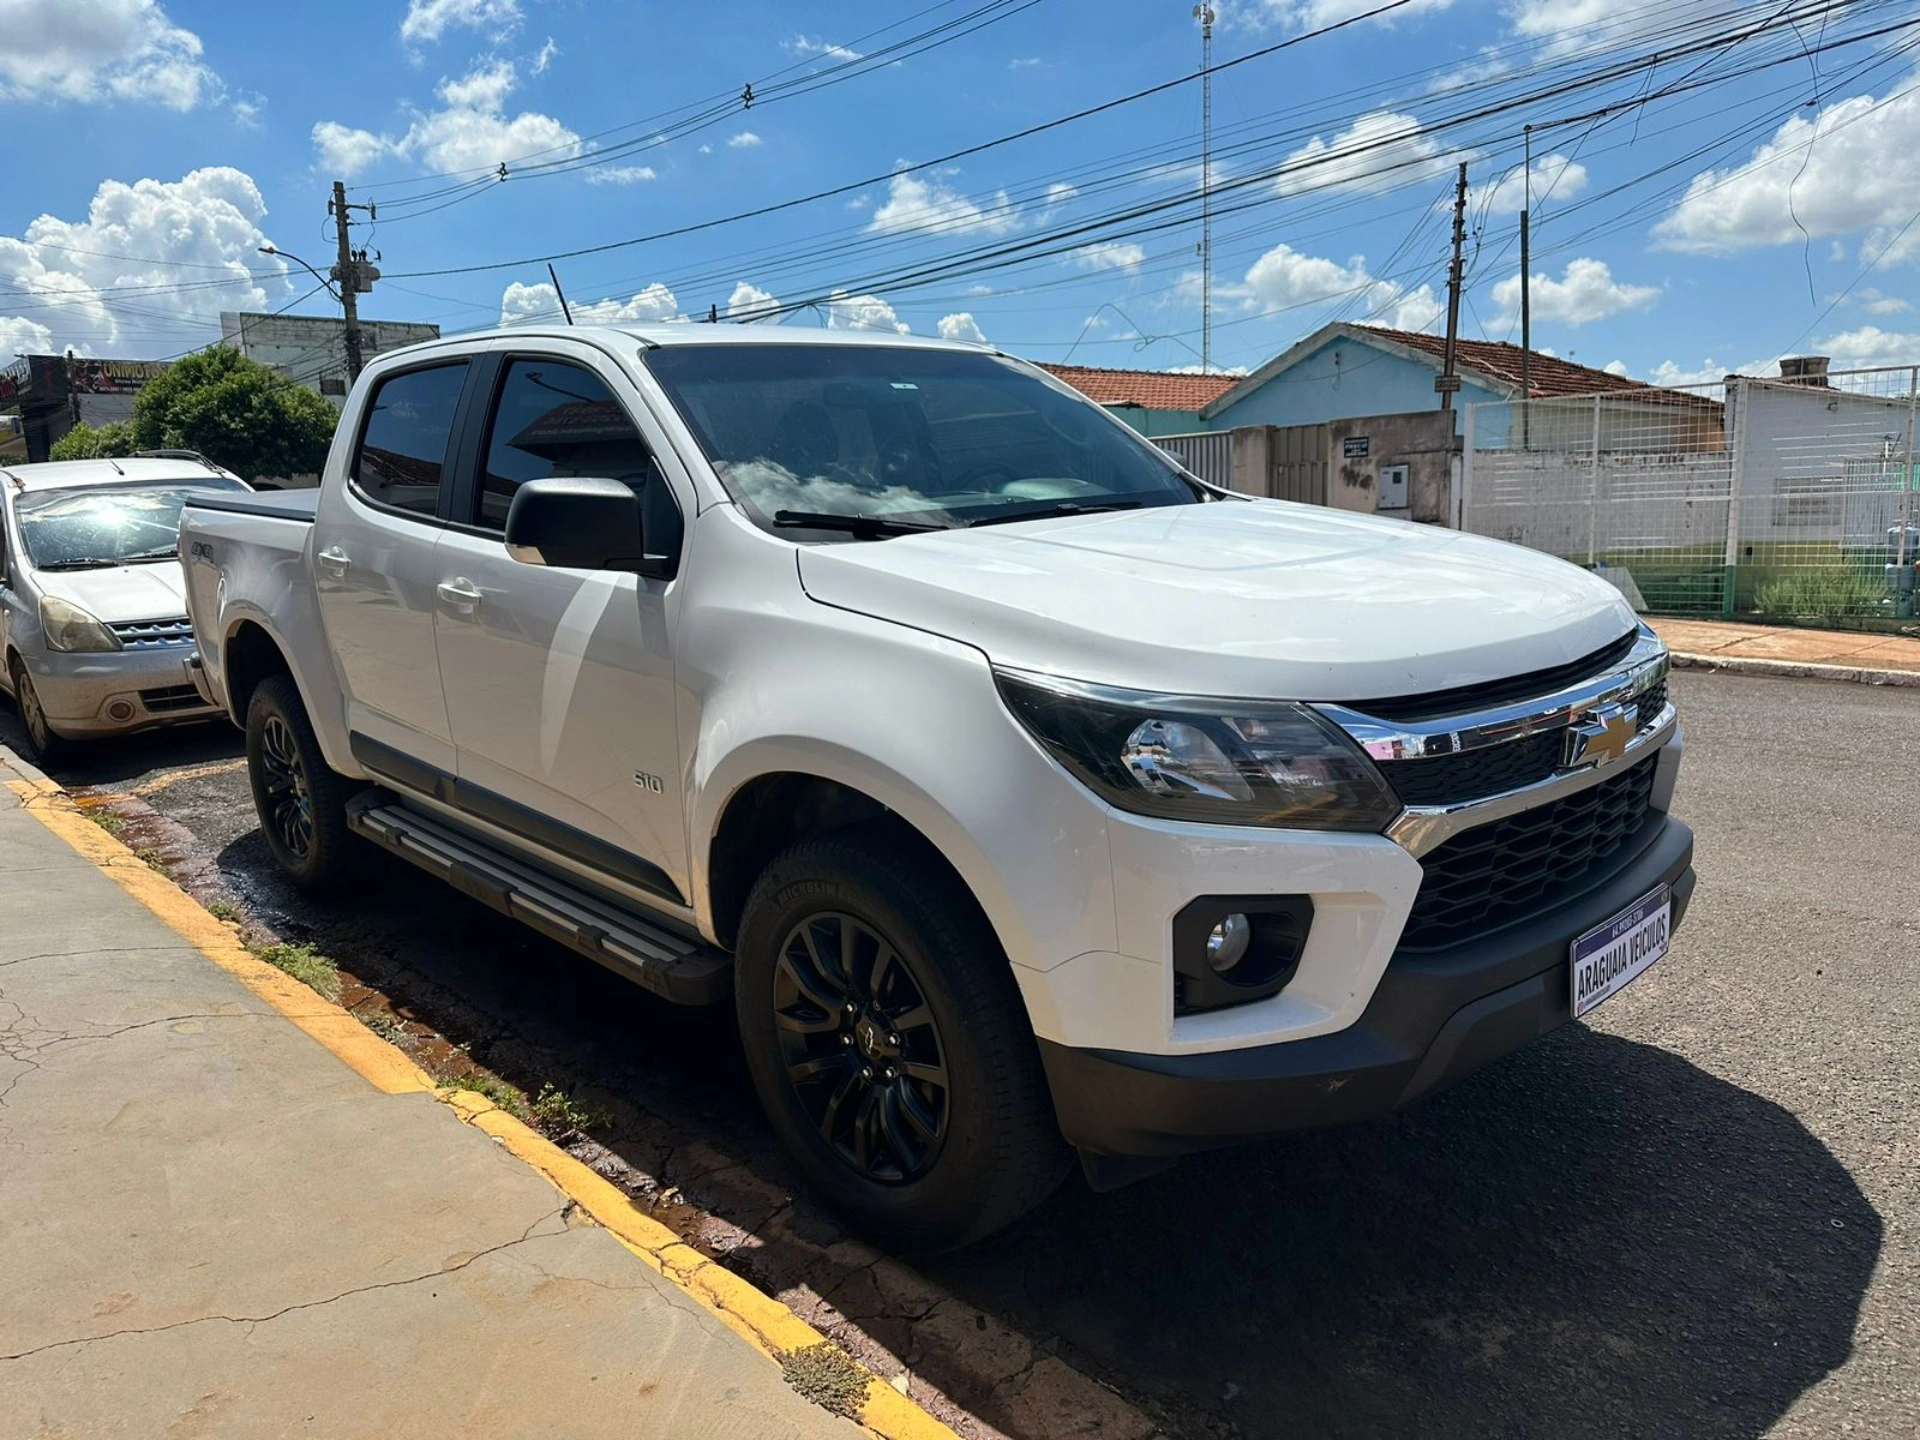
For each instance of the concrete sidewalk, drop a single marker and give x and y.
(214, 1227)
(1870, 656)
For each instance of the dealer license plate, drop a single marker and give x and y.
(1607, 958)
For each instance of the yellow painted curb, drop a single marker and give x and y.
(764, 1322)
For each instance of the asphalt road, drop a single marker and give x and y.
(1696, 1214)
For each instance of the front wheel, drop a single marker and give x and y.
(889, 1045)
(44, 746)
(301, 803)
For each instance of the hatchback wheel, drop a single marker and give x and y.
(41, 741)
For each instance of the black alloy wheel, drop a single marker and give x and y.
(289, 808)
(861, 1048)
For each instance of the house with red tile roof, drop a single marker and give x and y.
(1346, 371)
(1154, 402)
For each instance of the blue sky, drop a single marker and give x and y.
(1728, 218)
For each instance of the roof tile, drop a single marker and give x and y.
(1550, 374)
(1149, 389)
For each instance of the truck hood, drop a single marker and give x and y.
(126, 592)
(1257, 598)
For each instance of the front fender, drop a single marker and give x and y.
(932, 742)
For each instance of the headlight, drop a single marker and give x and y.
(1226, 762)
(68, 627)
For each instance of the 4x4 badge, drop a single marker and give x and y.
(1601, 736)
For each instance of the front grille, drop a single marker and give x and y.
(1435, 704)
(1652, 703)
(171, 697)
(1476, 774)
(153, 634)
(1500, 871)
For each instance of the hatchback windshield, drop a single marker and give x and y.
(107, 525)
(886, 438)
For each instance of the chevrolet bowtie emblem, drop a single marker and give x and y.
(1601, 736)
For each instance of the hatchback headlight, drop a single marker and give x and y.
(1227, 762)
(68, 627)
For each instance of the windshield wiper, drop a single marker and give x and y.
(1049, 512)
(84, 562)
(861, 527)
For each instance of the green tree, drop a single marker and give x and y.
(89, 442)
(237, 413)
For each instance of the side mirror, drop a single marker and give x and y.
(583, 524)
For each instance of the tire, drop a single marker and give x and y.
(43, 746)
(301, 803)
(922, 1114)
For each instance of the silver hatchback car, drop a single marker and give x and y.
(94, 638)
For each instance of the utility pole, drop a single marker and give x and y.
(1526, 273)
(1204, 14)
(1448, 380)
(354, 274)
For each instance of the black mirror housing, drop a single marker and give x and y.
(588, 524)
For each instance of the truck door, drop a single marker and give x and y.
(559, 683)
(373, 563)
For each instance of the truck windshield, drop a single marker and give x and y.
(815, 436)
(107, 525)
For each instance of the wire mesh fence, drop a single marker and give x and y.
(1788, 500)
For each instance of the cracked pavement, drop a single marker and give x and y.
(215, 1228)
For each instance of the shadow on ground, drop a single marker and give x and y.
(128, 757)
(1593, 1238)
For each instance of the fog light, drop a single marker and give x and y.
(1227, 944)
(120, 710)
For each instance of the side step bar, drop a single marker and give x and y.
(673, 967)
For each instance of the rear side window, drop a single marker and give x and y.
(402, 459)
(556, 419)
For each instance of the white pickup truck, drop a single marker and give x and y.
(1025, 795)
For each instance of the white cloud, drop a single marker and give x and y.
(540, 304)
(805, 46)
(1869, 346)
(924, 202)
(1110, 255)
(745, 140)
(1316, 14)
(1286, 279)
(470, 131)
(1552, 174)
(430, 19)
(961, 326)
(1850, 183)
(1566, 27)
(1585, 292)
(1878, 302)
(1058, 194)
(1380, 151)
(94, 50)
(344, 151)
(749, 302)
(1615, 367)
(619, 174)
(66, 278)
(863, 312)
(24, 337)
(1206, 370)
(1023, 62)
(1708, 372)
(545, 56)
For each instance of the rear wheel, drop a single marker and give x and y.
(889, 1044)
(44, 745)
(301, 803)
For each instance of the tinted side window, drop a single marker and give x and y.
(556, 419)
(402, 459)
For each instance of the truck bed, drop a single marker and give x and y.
(274, 504)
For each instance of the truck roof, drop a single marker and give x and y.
(71, 474)
(691, 333)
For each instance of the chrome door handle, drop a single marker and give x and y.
(460, 594)
(333, 560)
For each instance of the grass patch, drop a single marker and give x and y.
(223, 910)
(305, 964)
(560, 1115)
(826, 1375)
(106, 820)
(508, 1097)
(388, 1026)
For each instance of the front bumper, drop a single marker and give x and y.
(115, 692)
(1433, 1019)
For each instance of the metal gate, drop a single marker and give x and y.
(1207, 454)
